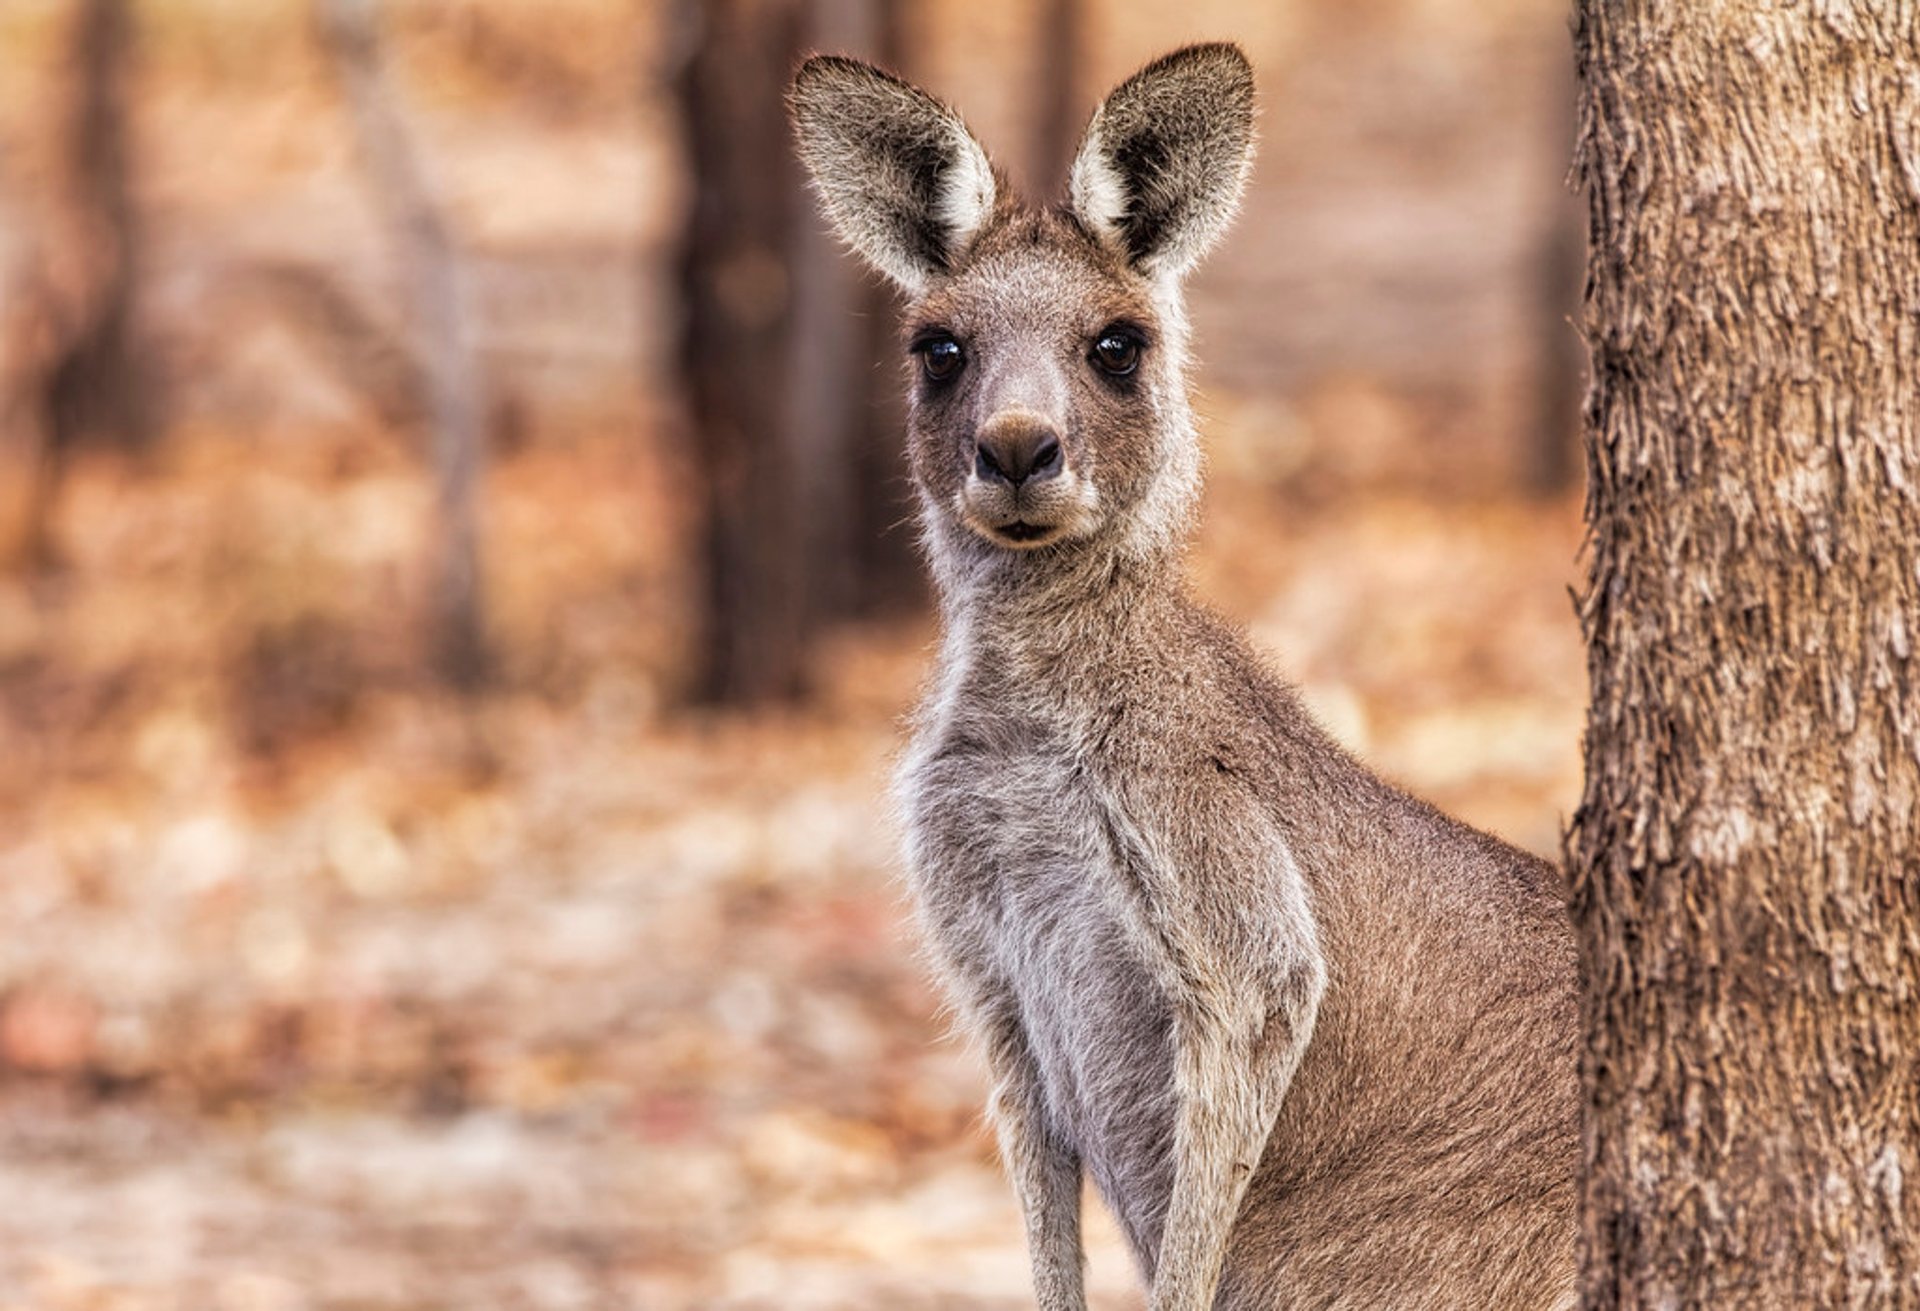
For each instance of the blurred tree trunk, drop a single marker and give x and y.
(1746, 859)
(846, 409)
(95, 387)
(441, 316)
(1062, 115)
(735, 350)
(1552, 456)
(788, 355)
(886, 559)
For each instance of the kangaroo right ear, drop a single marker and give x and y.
(904, 182)
(1163, 162)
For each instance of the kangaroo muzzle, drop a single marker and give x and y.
(1021, 489)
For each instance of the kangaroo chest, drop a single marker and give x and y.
(1016, 874)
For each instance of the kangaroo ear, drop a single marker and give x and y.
(902, 179)
(1163, 162)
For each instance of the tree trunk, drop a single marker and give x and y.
(737, 287)
(1553, 453)
(1746, 859)
(886, 562)
(787, 352)
(1062, 113)
(93, 384)
(846, 417)
(96, 387)
(441, 316)
(1552, 456)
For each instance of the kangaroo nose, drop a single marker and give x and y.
(1017, 454)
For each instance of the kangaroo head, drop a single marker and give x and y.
(1048, 399)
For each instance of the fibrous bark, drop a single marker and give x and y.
(1746, 877)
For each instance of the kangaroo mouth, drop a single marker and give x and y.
(1018, 535)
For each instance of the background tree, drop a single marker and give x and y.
(1744, 859)
(1063, 109)
(844, 412)
(94, 386)
(796, 431)
(1552, 456)
(737, 333)
(97, 387)
(441, 317)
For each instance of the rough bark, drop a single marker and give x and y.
(1746, 878)
(442, 322)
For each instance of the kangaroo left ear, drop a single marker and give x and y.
(900, 176)
(1165, 158)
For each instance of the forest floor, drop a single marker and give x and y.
(323, 989)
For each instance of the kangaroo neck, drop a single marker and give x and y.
(1086, 604)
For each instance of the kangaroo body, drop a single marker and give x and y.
(1312, 1040)
(1417, 1158)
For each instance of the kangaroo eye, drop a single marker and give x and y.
(1117, 352)
(941, 357)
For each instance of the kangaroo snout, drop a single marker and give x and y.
(1017, 449)
(1021, 491)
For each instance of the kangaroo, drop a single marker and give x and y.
(1311, 1039)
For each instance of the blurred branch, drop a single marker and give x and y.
(441, 322)
(366, 355)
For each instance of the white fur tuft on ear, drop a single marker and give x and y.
(903, 181)
(1096, 190)
(1164, 159)
(966, 192)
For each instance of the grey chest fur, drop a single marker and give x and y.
(1015, 868)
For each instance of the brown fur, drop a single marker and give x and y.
(1312, 1040)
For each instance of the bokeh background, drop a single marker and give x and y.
(455, 613)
